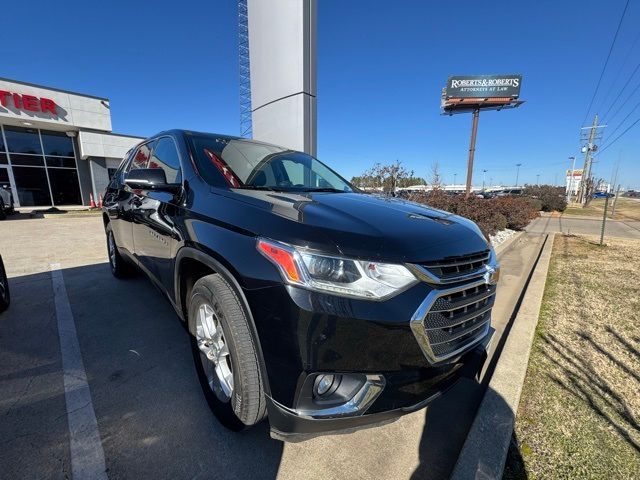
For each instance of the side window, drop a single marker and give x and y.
(165, 156)
(141, 157)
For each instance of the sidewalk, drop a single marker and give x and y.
(584, 226)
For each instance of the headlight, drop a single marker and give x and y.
(337, 275)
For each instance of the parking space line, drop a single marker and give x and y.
(87, 455)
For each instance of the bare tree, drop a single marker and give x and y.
(387, 178)
(393, 174)
(436, 177)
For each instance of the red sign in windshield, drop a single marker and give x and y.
(224, 169)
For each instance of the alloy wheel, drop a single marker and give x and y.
(214, 352)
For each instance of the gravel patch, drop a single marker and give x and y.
(501, 236)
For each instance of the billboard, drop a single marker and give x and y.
(483, 86)
(573, 183)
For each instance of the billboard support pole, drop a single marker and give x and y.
(472, 150)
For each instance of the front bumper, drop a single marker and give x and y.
(304, 333)
(287, 425)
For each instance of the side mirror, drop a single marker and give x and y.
(150, 179)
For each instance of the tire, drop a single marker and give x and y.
(240, 403)
(120, 268)
(5, 296)
(3, 212)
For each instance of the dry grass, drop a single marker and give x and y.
(580, 409)
(626, 209)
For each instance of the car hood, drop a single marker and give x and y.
(361, 225)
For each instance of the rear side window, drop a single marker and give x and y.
(165, 156)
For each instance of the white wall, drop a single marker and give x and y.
(73, 110)
(93, 144)
(282, 51)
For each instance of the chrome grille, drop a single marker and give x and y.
(452, 269)
(451, 320)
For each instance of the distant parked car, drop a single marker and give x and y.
(5, 298)
(6, 203)
(602, 195)
(507, 192)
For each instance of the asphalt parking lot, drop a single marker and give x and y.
(152, 419)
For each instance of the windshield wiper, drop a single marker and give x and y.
(322, 189)
(258, 187)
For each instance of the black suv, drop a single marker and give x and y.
(307, 301)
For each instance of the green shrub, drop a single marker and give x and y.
(535, 203)
(551, 197)
(518, 211)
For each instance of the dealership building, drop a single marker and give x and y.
(56, 146)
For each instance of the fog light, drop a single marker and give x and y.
(323, 384)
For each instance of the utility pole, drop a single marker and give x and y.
(518, 172)
(586, 171)
(615, 176)
(615, 201)
(604, 219)
(570, 189)
(472, 150)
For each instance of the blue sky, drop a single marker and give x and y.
(381, 66)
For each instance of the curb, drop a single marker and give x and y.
(484, 453)
(508, 242)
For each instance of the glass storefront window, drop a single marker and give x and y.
(32, 160)
(57, 143)
(31, 183)
(64, 186)
(22, 140)
(24, 150)
(60, 162)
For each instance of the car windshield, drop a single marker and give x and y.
(253, 165)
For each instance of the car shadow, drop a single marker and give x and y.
(153, 419)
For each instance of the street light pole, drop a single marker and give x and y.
(538, 179)
(483, 177)
(570, 189)
(518, 172)
(454, 179)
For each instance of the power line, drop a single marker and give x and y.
(623, 120)
(617, 75)
(615, 37)
(616, 139)
(626, 100)
(615, 100)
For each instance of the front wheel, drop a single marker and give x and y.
(225, 354)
